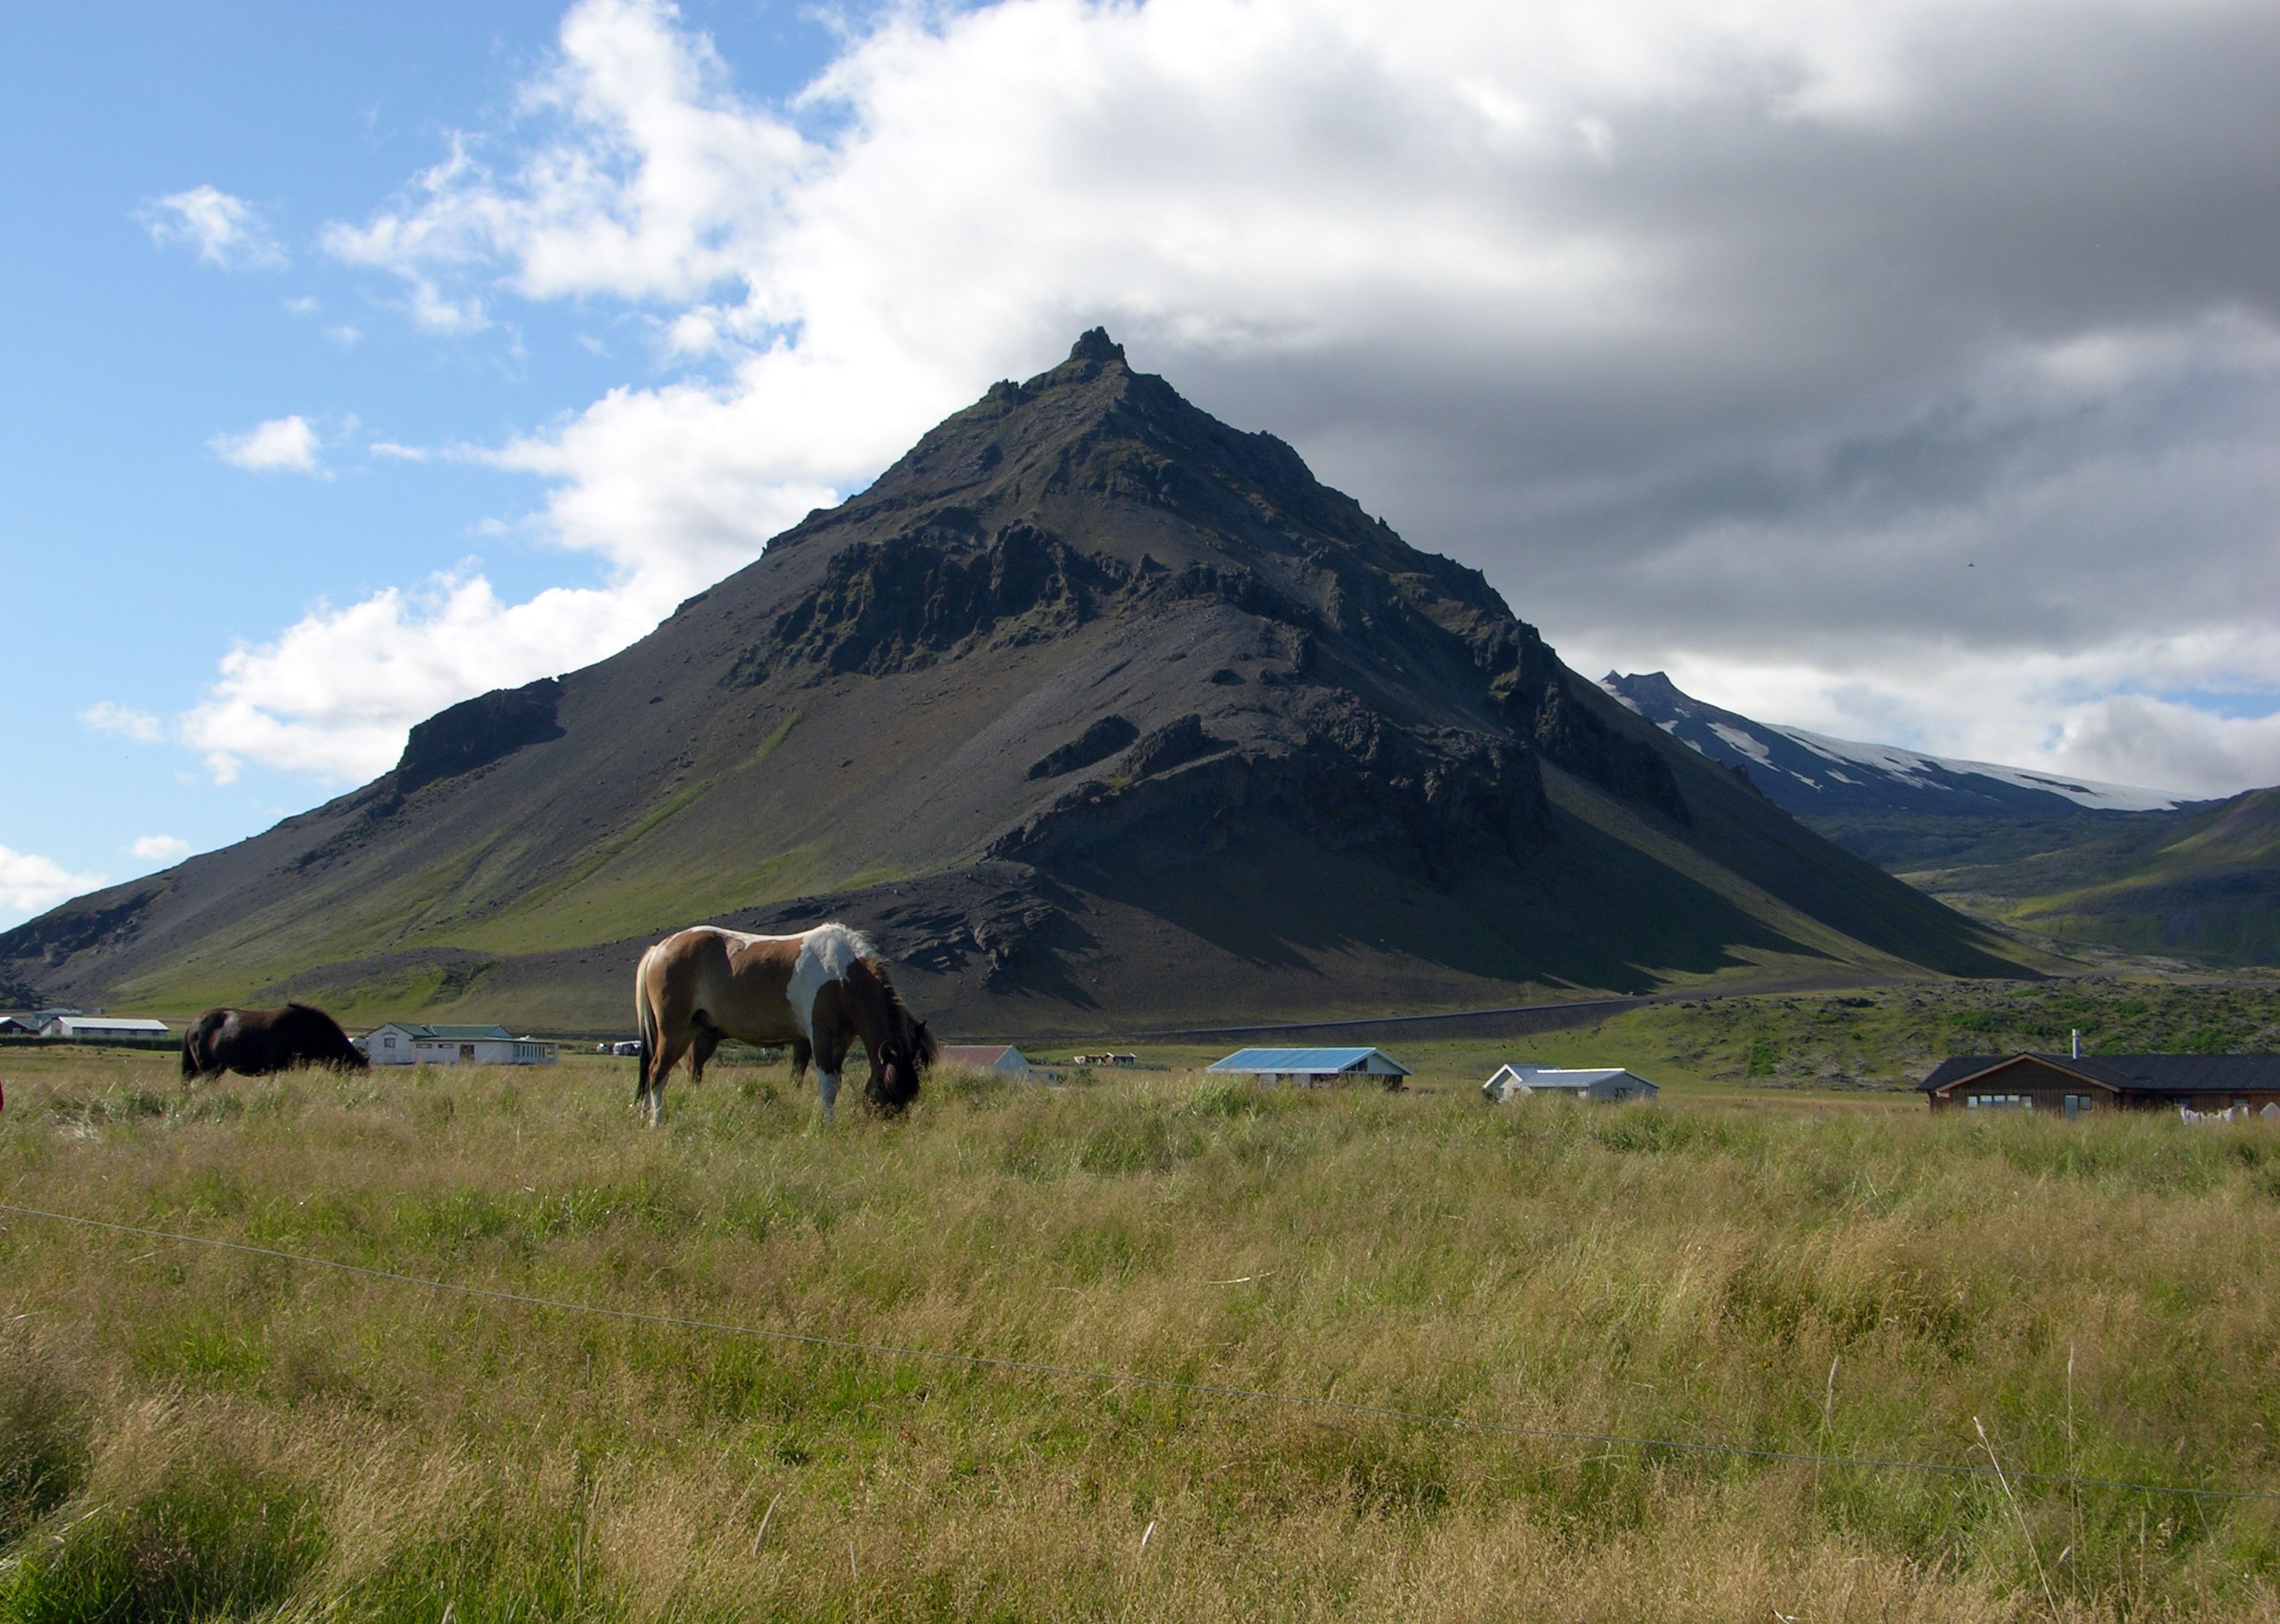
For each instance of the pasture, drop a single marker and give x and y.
(192, 1433)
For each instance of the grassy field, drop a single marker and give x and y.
(193, 1433)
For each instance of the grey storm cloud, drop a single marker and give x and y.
(1855, 378)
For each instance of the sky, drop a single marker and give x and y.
(1907, 371)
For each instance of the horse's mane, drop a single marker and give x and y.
(839, 945)
(914, 1031)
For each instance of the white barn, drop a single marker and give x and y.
(104, 1028)
(411, 1044)
(1592, 1083)
(1313, 1068)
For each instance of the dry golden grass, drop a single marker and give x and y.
(216, 1433)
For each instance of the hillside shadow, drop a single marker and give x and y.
(1587, 909)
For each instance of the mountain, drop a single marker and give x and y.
(2088, 864)
(1814, 775)
(1098, 713)
(2202, 884)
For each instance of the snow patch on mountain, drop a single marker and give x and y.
(1805, 772)
(1930, 772)
(1749, 746)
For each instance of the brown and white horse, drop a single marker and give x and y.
(821, 991)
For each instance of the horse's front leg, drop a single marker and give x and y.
(831, 1053)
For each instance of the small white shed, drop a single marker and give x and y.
(411, 1043)
(988, 1057)
(1592, 1083)
(104, 1028)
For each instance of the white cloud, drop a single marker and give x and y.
(1824, 352)
(105, 716)
(345, 335)
(222, 230)
(2176, 746)
(159, 849)
(31, 884)
(394, 452)
(649, 192)
(286, 443)
(333, 696)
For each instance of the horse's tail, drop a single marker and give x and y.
(645, 1024)
(190, 1066)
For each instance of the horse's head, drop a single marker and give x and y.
(898, 1063)
(900, 1046)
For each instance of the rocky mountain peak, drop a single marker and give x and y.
(1091, 698)
(1096, 345)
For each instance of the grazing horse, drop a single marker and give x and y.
(821, 991)
(256, 1043)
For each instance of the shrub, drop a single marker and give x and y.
(44, 1442)
(217, 1540)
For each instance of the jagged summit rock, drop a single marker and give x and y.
(1096, 345)
(1095, 709)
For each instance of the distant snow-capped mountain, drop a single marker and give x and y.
(1810, 773)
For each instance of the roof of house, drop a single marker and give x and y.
(109, 1023)
(450, 1034)
(1569, 1076)
(2141, 1073)
(1376, 1061)
(981, 1054)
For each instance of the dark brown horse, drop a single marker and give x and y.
(821, 991)
(256, 1043)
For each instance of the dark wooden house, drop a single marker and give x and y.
(2071, 1084)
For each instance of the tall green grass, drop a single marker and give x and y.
(217, 1435)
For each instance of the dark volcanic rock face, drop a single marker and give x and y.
(1091, 701)
(1377, 696)
(1097, 742)
(895, 606)
(478, 732)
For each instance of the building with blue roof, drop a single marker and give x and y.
(1313, 1068)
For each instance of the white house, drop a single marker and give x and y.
(410, 1043)
(1313, 1068)
(1594, 1082)
(988, 1057)
(104, 1028)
